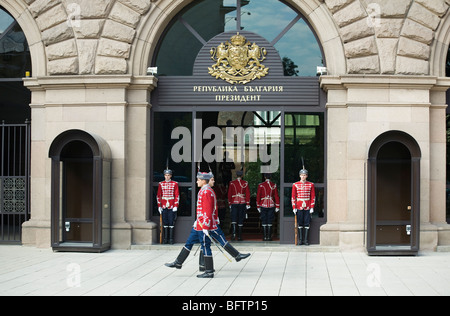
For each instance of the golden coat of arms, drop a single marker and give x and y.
(238, 61)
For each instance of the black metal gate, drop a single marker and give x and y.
(14, 180)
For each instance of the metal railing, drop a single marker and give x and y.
(15, 144)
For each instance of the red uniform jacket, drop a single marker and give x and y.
(238, 192)
(206, 209)
(303, 195)
(267, 195)
(168, 194)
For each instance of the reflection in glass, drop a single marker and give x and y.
(164, 124)
(15, 57)
(278, 23)
(304, 138)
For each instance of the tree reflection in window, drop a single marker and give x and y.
(282, 26)
(14, 52)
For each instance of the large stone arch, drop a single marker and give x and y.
(405, 37)
(389, 37)
(157, 19)
(439, 48)
(151, 28)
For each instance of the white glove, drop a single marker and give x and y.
(276, 210)
(175, 209)
(295, 211)
(259, 209)
(206, 232)
(248, 206)
(311, 211)
(160, 210)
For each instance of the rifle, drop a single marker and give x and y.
(160, 229)
(296, 231)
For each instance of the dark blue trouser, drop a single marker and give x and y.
(196, 237)
(219, 236)
(168, 217)
(238, 214)
(267, 215)
(303, 218)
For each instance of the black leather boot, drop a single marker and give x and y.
(171, 231)
(300, 236)
(201, 262)
(178, 263)
(166, 234)
(209, 268)
(235, 253)
(233, 231)
(240, 233)
(306, 236)
(269, 232)
(264, 232)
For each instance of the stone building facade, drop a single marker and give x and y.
(385, 72)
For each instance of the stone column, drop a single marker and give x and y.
(138, 161)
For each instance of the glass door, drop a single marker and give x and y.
(247, 141)
(77, 200)
(172, 148)
(393, 211)
(227, 141)
(303, 142)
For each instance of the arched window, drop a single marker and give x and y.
(15, 61)
(278, 23)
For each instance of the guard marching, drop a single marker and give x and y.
(202, 226)
(168, 198)
(219, 235)
(303, 201)
(267, 203)
(239, 200)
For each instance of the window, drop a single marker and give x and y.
(278, 23)
(304, 142)
(15, 60)
(14, 53)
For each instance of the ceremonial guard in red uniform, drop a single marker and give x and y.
(168, 198)
(239, 200)
(267, 202)
(205, 222)
(303, 200)
(219, 236)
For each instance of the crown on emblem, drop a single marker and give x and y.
(238, 40)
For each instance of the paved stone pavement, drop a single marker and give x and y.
(269, 271)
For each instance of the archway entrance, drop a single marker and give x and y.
(221, 71)
(394, 195)
(226, 141)
(80, 192)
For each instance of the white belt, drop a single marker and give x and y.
(303, 200)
